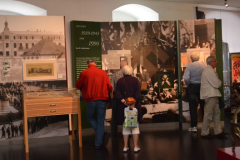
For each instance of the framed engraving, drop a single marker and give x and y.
(39, 70)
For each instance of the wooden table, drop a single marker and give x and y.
(48, 105)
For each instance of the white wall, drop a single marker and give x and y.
(101, 11)
(230, 26)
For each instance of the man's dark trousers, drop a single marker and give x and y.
(194, 98)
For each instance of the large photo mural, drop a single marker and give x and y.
(24, 39)
(196, 36)
(151, 49)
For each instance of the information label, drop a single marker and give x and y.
(86, 43)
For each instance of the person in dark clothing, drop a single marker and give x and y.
(20, 127)
(8, 132)
(3, 131)
(115, 77)
(16, 130)
(131, 86)
(12, 129)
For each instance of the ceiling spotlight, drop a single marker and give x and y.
(226, 4)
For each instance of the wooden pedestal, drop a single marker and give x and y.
(51, 106)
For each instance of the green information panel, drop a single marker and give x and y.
(86, 43)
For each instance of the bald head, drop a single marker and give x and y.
(123, 63)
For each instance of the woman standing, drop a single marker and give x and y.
(128, 86)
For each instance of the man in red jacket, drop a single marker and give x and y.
(95, 87)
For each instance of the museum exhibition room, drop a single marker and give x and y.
(124, 80)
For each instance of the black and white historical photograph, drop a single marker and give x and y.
(198, 33)
(196, 36)
(29, 38)
(153, 50)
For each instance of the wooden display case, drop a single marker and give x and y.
(51, 103)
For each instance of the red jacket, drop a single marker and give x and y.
(94, 84)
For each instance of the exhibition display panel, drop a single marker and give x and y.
(157, 56)
(51, 103)
(32, 58)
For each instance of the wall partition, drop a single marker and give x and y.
(150, 47)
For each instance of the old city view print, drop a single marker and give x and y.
(36, 70)
(26, 39)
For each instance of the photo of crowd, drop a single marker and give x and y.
(11, 109)
(153, 51)
(197, 34)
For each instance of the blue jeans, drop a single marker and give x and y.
(98, 107)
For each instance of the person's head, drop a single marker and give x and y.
(127, 70)
(194, 56)
(207, 43)
(115, 32)
(91, 61)
(165, 90)
(212, 61)
(130, 101)
(122, 64)
(212, 40)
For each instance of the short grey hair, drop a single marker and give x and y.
(127, 70)
(194, 56)
(209, 59)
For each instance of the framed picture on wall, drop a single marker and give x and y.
(165, 80)
(39, 70)
(235, 67)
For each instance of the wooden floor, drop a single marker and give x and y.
(157, 142)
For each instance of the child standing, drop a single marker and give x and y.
(130, 125)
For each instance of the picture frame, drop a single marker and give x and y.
(235, 67)
(165, 80)
(39, 70)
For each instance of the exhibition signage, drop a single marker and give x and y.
(86, 43)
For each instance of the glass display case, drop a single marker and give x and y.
(46, 93)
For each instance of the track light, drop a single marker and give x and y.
(226, 4)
